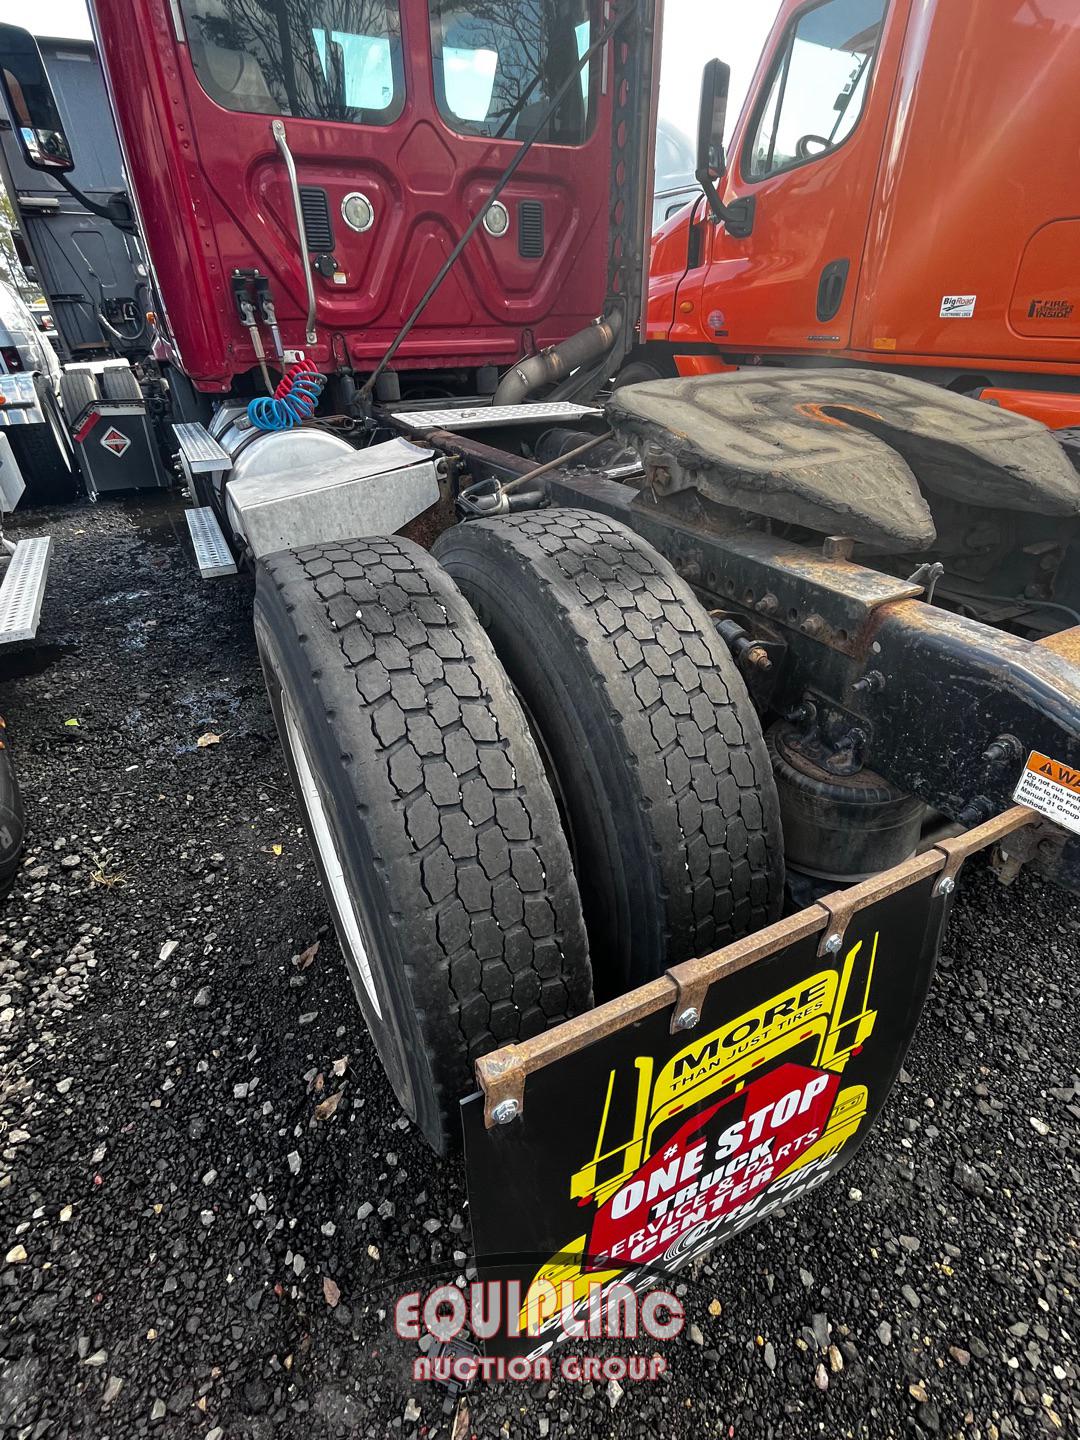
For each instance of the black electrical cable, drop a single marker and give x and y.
(48, 240)
(500, 184)
(969, 601)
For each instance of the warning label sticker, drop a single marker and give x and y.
(1051, 788)
(115, 440)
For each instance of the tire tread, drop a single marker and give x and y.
(463, 830)
(703, 773)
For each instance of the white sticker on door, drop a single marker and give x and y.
(115, 440)
(958, 307)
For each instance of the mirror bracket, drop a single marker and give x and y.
(117, 209)
(711, 167)
(737, 217)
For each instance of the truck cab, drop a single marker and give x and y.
(868, 166)
(339, 150)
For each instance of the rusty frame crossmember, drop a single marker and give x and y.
(503, 1073)
(944, 707)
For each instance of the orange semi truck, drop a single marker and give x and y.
(905, 190)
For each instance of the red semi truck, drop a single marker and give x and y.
(639, 798)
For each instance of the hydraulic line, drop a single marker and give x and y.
(245, 309)
(500, 184)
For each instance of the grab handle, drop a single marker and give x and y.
(278, 128)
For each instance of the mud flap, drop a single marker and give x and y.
(630, 1141)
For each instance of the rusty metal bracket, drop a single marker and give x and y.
(957, 850)
(842, 905)
(502, 1074)
(693, 978)
(1042, 840)
(1065, 643)
(502, 1079)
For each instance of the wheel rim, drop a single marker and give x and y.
(349, 930)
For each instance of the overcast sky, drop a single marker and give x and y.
(694, 31)
(50, 17)
(700, 30)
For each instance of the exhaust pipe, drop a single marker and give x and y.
(558, 361)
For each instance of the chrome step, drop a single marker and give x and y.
(212, 553)
(200, 453)
(479, 417)
(23, 588)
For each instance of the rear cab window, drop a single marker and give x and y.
(317, 59)
(817, 87)
(499, 63)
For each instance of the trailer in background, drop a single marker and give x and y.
(92, 274)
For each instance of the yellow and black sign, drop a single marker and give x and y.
(645, 1149)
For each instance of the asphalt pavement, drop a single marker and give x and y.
(199, 1240)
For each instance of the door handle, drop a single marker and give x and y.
(831, 289)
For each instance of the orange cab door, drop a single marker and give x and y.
(805, 155)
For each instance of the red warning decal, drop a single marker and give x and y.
(116, 441)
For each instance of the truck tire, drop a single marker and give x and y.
(658, 759)
(12, 826)
(638, 372)
(78, 389)
(118, 382)
(434, 829)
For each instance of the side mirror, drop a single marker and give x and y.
(738, 217)
(712, 119)
(31, 103)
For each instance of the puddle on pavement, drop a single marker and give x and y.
(124, 595)
(19, 663)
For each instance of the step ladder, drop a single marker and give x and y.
(212, 553)
(24, 572)
(199, 455)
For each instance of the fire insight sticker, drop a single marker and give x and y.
(1051, 788)
(958, 307)
(645, 1149)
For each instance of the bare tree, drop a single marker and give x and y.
(14, 273)
(304, 74)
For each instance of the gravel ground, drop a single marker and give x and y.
(175, 1195)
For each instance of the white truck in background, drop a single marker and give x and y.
(34, 446)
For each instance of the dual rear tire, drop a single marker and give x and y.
(529, 771)
(651, 740)
(435, 833)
